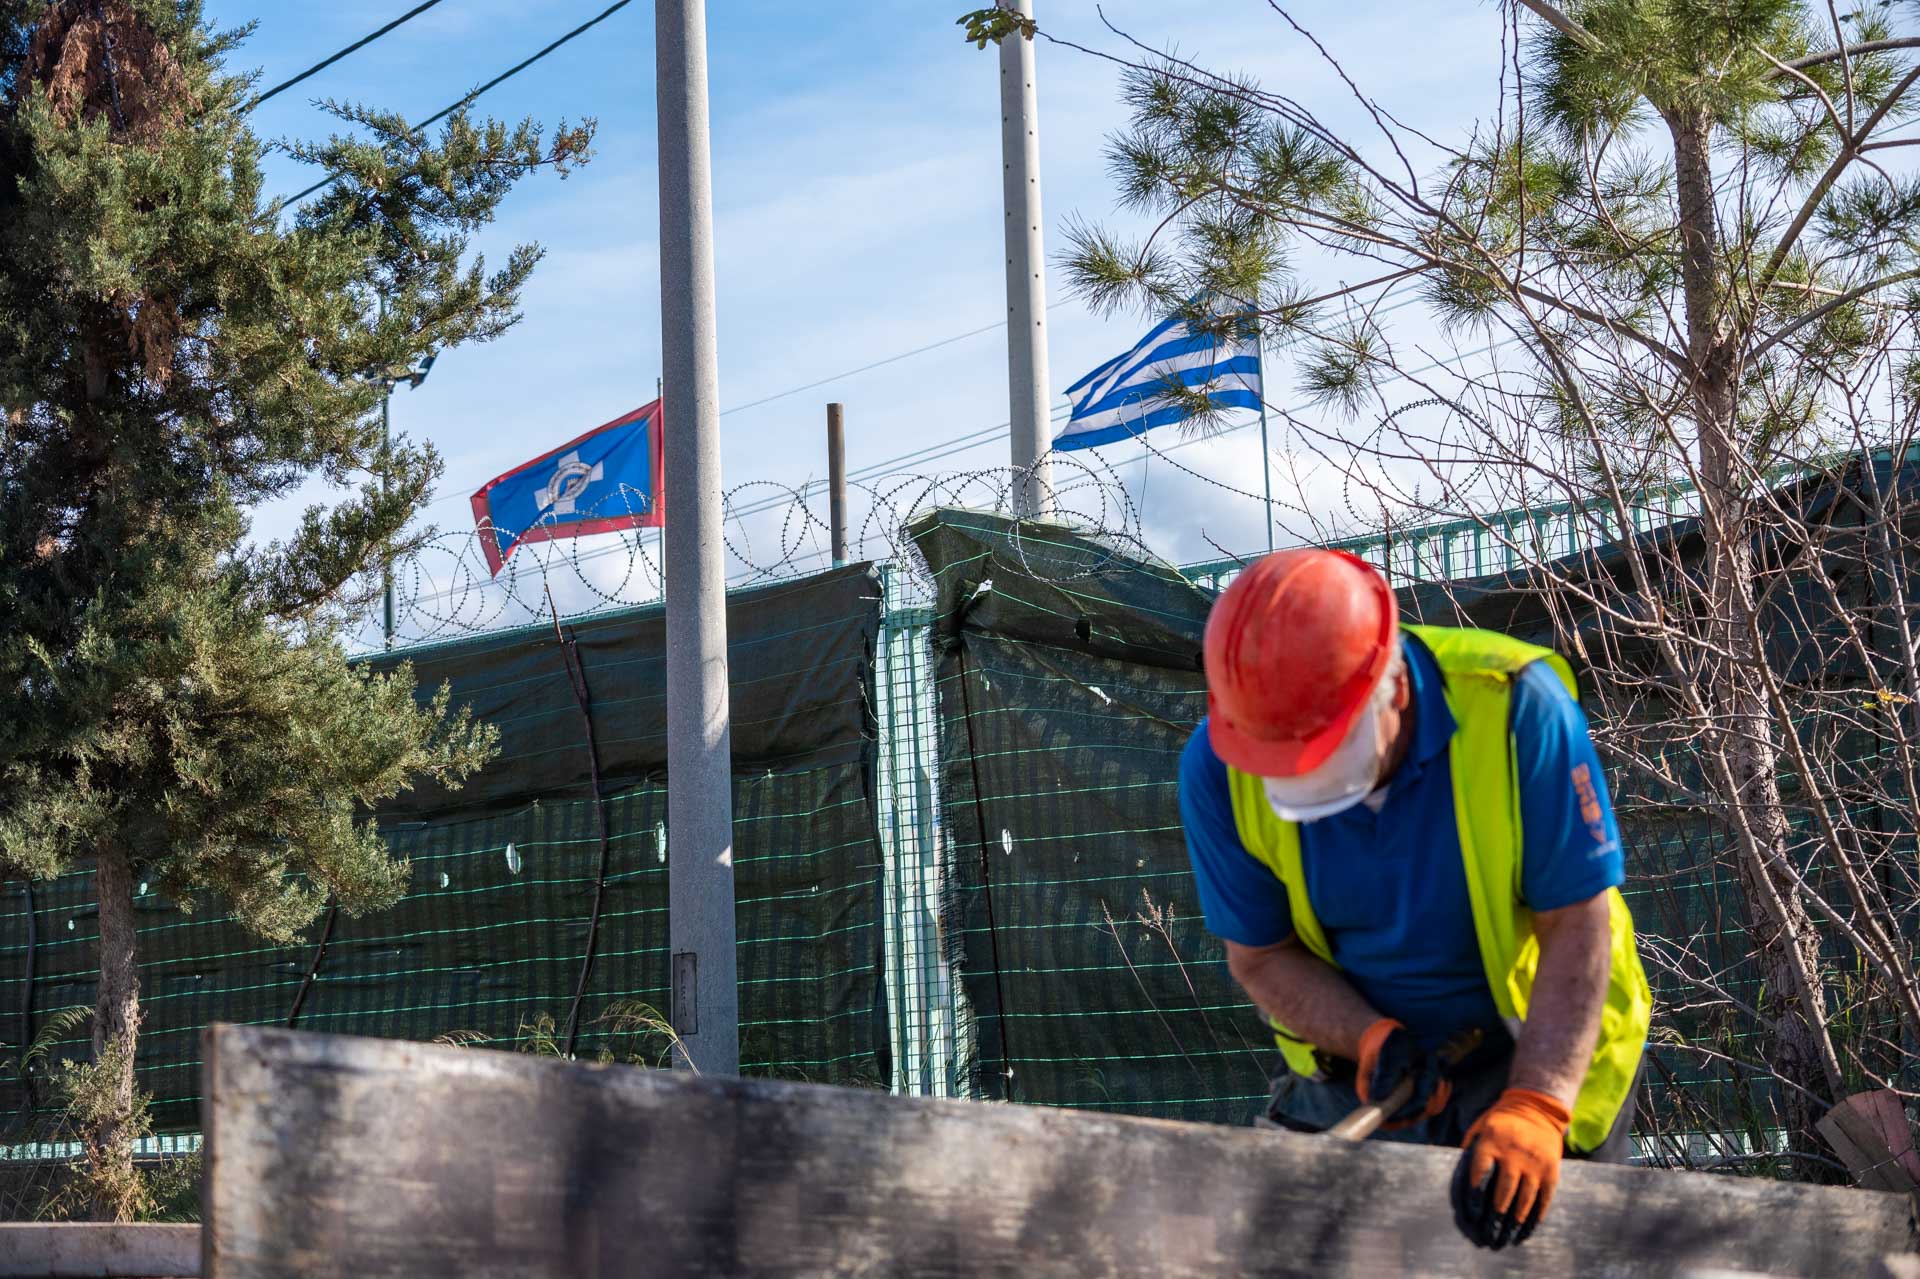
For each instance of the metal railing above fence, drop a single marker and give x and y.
(1480, 546)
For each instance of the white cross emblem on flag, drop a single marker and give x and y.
(571, 478)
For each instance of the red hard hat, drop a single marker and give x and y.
(1293, 651)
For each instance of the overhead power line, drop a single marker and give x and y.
(951, 444)
(355, 47)
(943, 449)
(939, 450)
(865, 368)
(498, 80)
(835, 377)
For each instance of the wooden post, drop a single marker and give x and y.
(331, 1156)
(837, 481)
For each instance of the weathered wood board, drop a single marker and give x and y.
(336, 1156)
(68, 1250)
(1871, 1132)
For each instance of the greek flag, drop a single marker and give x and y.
(1126, 395)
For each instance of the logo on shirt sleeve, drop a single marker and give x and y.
(1590, 810)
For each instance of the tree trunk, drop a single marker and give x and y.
(110, 1127)
(1801, 1051)
(1741, 734)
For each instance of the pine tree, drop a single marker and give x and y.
(176, 347)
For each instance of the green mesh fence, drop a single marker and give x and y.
(960, 864)
(1068, 682)
(487, 946)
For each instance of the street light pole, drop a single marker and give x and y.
(700, 895)
(1026, 273)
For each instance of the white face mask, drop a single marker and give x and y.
(1346, 776)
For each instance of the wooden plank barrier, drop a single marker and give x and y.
(336, 1156)
(70, 1250)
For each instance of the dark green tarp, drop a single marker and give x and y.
(1069, 679)
(490, 938)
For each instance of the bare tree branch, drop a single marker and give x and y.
(1854, 51)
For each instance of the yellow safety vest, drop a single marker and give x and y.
(1478, 669)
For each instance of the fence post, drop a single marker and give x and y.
(837, 482)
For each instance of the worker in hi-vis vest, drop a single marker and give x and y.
(1403, 837)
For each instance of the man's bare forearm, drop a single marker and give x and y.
(1569, 992)
(1304, 994)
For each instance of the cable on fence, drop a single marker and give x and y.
(447, 589)
(577, 680)
(313, 969)
(986, 873)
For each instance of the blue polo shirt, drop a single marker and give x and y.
(1390, 888)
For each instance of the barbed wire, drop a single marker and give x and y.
(449, 587)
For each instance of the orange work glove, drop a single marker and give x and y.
(1388, 1054)
(1509, 1165)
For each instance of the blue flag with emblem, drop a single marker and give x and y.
(1128, 394)
(601, 482)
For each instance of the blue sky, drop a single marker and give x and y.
(857, 192)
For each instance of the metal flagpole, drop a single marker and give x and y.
(1266, 458)
(660, 486)
(413, 378)
(386, 469)
(386, 473)
(1026, 273)
(700, 895)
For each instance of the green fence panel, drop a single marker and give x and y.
(489, 940)
(1068, 681)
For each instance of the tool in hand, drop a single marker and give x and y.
(1366, 1120)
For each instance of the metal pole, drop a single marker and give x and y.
(837, 479)
(660, 534)
(1026, 274)
(1386, 546)
(1266, 458)
(700, 901)
(386, 467)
